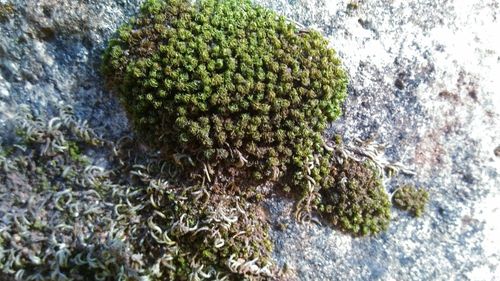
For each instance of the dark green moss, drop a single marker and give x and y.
(356, 201)
(411, 199)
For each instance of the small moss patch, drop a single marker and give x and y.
(411, 199)
(356, 202)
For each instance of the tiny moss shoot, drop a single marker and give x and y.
(352, 6)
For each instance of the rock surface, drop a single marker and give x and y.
(423, 82)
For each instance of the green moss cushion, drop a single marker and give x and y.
(226, 80)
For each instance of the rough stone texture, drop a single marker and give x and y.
(50, 54)
(423, 82)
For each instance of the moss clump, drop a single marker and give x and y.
(232, 84)
(411, 199)
(356, 202)
(226, 81)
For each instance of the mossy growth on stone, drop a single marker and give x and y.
(356, 201)
(233, 87)
(411, 199)
(55, 224)
(226, 82)
(66, 218)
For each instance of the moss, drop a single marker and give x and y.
(88, 223)
(75, 153)
(60, 236)
(411, 199)
(232, 95)
(226, 80)
(356, 201)
(212, 235)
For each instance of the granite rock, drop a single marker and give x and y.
(423, 83)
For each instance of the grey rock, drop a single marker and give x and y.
(50, 54)
(423, 81)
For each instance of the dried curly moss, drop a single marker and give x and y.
(65, 218)
(411, 199)
(226, 80)
(55, 224)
